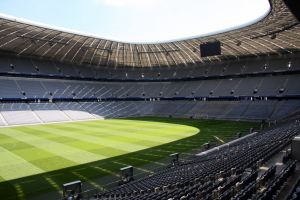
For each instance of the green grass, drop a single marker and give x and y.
(39, 159)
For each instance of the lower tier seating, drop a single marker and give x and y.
(230, 173)
(31, 113)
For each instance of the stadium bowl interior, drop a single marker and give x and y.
(87, 118)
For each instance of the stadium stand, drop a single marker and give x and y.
(256, 78)
(259, 108)
(228, 172)
(295, 194)
(251, 97)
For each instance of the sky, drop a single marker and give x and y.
(140, 21)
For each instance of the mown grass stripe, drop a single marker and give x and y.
(107, 134)
(75, 155)
(13, 166)
(148, 161)
(92, 135)
(34, 155)
(159, 136)
(114, 142)
(20, 192)
(140, 123)
(84, 178)
(153, 155)
(137, 127)
(80, 143)
(138, 168)
(107, 171)
(121, 135)
(53, 184)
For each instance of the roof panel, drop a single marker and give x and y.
(277, 33)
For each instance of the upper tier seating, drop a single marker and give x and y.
(33, 66)
(65, 93)
(49, 88)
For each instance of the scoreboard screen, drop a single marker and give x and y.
(210, 49)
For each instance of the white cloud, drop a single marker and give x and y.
(127, 3)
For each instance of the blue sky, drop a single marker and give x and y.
(140, 21)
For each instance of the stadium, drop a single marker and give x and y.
(210, 117)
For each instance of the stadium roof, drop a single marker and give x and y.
(278, 33)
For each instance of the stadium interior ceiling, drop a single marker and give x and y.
(277, 34)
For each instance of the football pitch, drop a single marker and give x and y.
(37, 159)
